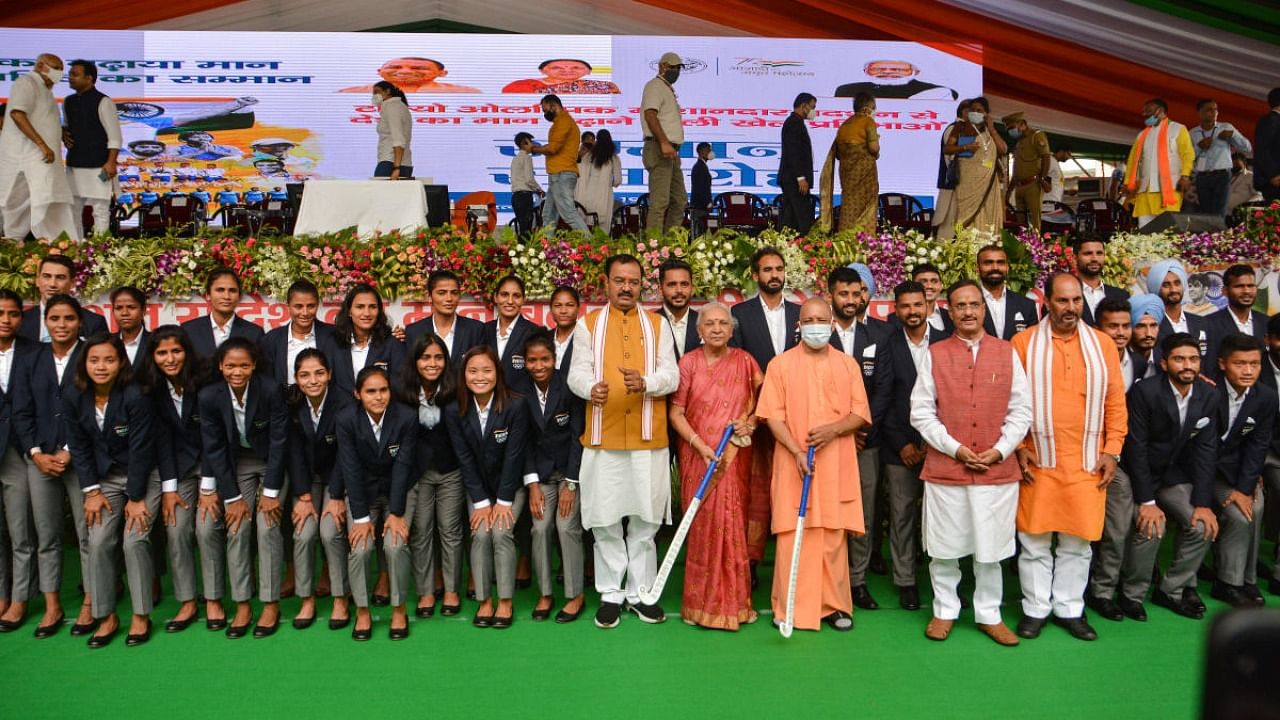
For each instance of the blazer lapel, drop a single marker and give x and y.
(791, 316)
(229, 415)
(113, 412)
(473, 422)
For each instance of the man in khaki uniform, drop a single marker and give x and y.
(1030, 166)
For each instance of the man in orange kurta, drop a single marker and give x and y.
(813, 397)
(1078, 425)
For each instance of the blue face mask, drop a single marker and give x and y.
(816, 335)
(1015, 134)
(1152, 121)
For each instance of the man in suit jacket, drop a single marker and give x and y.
(1247, 419)
(1169, 458)
(1167, 279)
(675, 280)
(1007, 313)
(1271, 471)
(858, 337)
(1266, 150)
(1240, 285)
(129, 310)
(930, 277)
(304, 330)
(459, 333)
(900, 353)
(15, 500)
(56, 276)
(1091, 255)
(222, 292)
(795, 168)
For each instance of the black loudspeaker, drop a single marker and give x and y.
(1185, 222)
(437, 205)
(295, 195)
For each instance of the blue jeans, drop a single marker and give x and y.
(560, 202)
(385, 167)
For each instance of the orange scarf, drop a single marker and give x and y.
(1168, 194)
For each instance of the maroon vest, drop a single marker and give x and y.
(973, 399)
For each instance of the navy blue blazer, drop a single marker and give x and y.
(39, 416)
(492, 458)
(1242, 451)
(875, 380)
(1159, 451)
(895, 382)
(433, 448)
(1220, 324)
(371, 467)
(8, 432)
(690, 341)
(752, 330)
(125, 441)
(1198, 328)
(91, 323)
(467, 333)
(179, 446)
(389, 354)
(313, 449)
(555, 434)
(144, 338)
(1108, 292)
(200, 332)
(275, 350)
(1269, 379)
(1014, 305)
(266, 426)
(512, 360)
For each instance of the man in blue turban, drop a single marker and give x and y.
(1168, 280)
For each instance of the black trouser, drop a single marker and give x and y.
(522, 205)
(797, 207)
(1212, 189)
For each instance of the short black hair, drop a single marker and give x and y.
(540, 337)
(983, 101)
(701, 145)
(222, 272)
(862, 101)
(302, 287)
(437, 276)
(992, 248)
(551, 98)
(1052, 279)
(62, 260)
(803, 98)
(573, 293)
(843, 274)
(1158, 102)
(88, 67)
(1177, 340)
(16, 299)
(1273, 324)
(123, 376)
(623, 258)
(962, 106)
(1237, 271)
(673, 264)
(521, 137)
(960, 285)
(1086, 237)
(906, 287)
(1237, 342)
(237, 343)
(1063, 147)
(62, 299)
(1112, 305)
(545, 63)
(133, 292)
(1201, 103)
(922, 268)
(510, 277)
(763, 253)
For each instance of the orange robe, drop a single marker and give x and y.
(805, 390)
(1067, 498)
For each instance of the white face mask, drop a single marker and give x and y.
(54, 76)
(377, 99)
(815, 335)
(976, 117)
(811, 114)
(711, 156)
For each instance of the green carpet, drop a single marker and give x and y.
(885, 668)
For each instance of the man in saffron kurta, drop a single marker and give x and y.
(624, 363)
(1160, 163)
(813, 397)
(1078, 425)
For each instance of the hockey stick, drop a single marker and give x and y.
(790, 623)
(649, 596)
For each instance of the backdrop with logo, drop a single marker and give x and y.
(233, 110)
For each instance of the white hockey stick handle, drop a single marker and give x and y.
(649, 596)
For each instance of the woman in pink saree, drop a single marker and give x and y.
(718, 386)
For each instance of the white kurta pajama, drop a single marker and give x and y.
(34, 195)
(624, 484)
(87, 188)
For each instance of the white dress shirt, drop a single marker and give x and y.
(777, 322)
(6, 366)
(428, 411)
(996, 308)
(221, 332)
(924, 409)
(297, 345)
(1179, 325)
(1245, 327)
(131, 347)
(1235, 401)
(60, 363)
(317, 409)
(918, 351)
(446, 337)
(359, 355)
(935, 319)
(1093, 296)
(503, 337)
(100, 414)
(848, 336)
(562, 348)
(522, 179)
(1183, 402)
(680, 330)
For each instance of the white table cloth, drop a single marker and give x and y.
(370, 205)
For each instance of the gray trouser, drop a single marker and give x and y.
(860, 547)
(105, 539)
(47, 494)
(569, 530)
(1271, 479)
(395, 551)
(1117, 529)
(1235, 552)
(333, 537)
(221, 548)
(180, 540)
(16, 498)
(493, 554)
(304, 549)
(1189, 548)
(437, 502)
(271, 550)
(667, 196)
(905, 490)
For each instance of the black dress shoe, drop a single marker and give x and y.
(839, 621)
(215, 624)
(8, 626)
(97, 642)
(1230, 594)
(381, 600)
(1273, 586)
(502, 623)
(301, 623)
(1030, 627)
(524, 583)
(339, 623)
(1132, 609)
(1078, 627)
(608, 615)
(482, 621)
(1192, 598)
(136, 639)
(177, 626)
(1106, 607)
(235, 632)
(1254, 596)
(651, 614)
(264, 631)
(540, 615)
(909, 597)
(48, 631)
(1180, 606)
(876, 564)
(79, 630)
(362, 635)
(450, 610)
(563, 617)
(471, 594)
(425, 612)
(862, 598)
(399, 633)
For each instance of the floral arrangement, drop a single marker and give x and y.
(398, 263)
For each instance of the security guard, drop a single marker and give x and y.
(1031, 166)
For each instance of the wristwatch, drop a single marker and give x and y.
(1115, 457)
